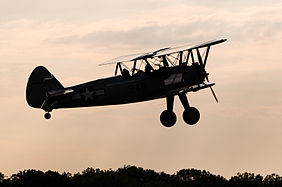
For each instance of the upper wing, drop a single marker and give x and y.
(132, 57)
(189, 47)
(161, 52)
(125, 58)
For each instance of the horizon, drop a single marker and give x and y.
(134, 166)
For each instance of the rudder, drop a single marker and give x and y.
(39, 83)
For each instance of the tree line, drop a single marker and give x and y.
(135, 176)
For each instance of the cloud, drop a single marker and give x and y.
(253, 24)
(164, 24)
(149, 35)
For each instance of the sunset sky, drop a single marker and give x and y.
(243, 132)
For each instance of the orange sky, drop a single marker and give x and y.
(241, 133)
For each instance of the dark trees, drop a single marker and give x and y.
(135, 176)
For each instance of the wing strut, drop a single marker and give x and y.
(199, 57)
(207, 54)
(165, 61)
(188, 56)
(180, 57)
(192, 56)
(118, 66)
(134, 67)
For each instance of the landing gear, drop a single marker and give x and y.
(47, 115)
(168, 117)
(191, 116)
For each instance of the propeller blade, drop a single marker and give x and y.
(213, 93)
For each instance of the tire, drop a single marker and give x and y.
(168, 118)
(47, 115)
(191, 116)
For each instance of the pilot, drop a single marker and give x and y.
(125, 73)
(139, 73)
(148, 68)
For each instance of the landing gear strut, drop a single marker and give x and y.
(190, 115)
(168, 117)
(47, 115)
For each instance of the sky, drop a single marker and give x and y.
(240, 133)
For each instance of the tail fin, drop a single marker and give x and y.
(39, 83)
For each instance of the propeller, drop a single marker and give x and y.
(213, 93)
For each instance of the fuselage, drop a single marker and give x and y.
(129, 89)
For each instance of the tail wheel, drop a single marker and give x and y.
(168, 118)
(47, 115)
(191, 116)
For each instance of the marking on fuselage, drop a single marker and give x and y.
(76, 96)
(173, 79)
(88, 94)
(100, 92)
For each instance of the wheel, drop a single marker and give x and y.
(47, 115)
(191, 116)
(168, 118)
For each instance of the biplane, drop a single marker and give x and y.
(162, 73)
